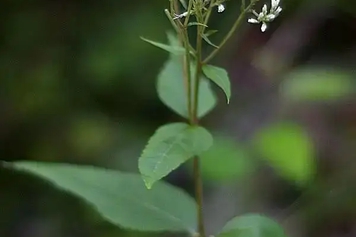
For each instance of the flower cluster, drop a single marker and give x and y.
(221, 8)
(264, 17)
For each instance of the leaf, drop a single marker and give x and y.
(121, 198)
(196, 24)
(252, 225)
(184, 4)
(177, 50)
(289, 150)
(171, 89)
(225, 160)
(173, 92)
(210, 32)
(317, 84)
(208, 41)
(220, 77)
(169, 147)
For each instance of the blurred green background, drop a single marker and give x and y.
(78, 85)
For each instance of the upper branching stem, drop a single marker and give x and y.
(231, 31)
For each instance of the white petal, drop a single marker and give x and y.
(184, 14)
(255, 13)
(264, 9)
(278, 10)
(252, 20)
(270, 17)
(260, 16)
(264, 27)
(221, 8)
(274, 4)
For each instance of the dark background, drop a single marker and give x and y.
(78, 85)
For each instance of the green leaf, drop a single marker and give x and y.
(317, 84)
(225, 160)
(184, 4)
(121, 198)
(210, 32)
(289, 149)
(173, 39)
(196, 24)
(252, 225)
(172, 92)
(208, 41)
(169, 147)
(220, 77)
(177, 50)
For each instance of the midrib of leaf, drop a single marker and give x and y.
(135, 200)
(164, 154)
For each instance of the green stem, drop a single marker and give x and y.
(190, 6)
(199, 195)
(198, 70)
(184, 40)
(188, 73)
(207, 17)
(194, 121)
(231, 32)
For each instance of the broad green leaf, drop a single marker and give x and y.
(225, 160)
(220, 77)
(172, 90)
(169, 147)
(318, 84)
(121, 198)
(252, 225)
(288, 149)
(177, 50)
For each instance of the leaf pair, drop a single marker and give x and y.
(171, 88)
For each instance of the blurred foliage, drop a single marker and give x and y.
(226, 161)
(289, 149)
(78, 85)
(318, 84)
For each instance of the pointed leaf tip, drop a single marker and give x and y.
(177, 50)
(220, 77)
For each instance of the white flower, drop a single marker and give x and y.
(178, 16)
(274, 7)
(264, 17)
(221, 8)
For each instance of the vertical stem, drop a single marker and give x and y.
(199, 195)
(193, 98)
(184, 40)
(194, 121)
(198, 69)
(188, 74)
